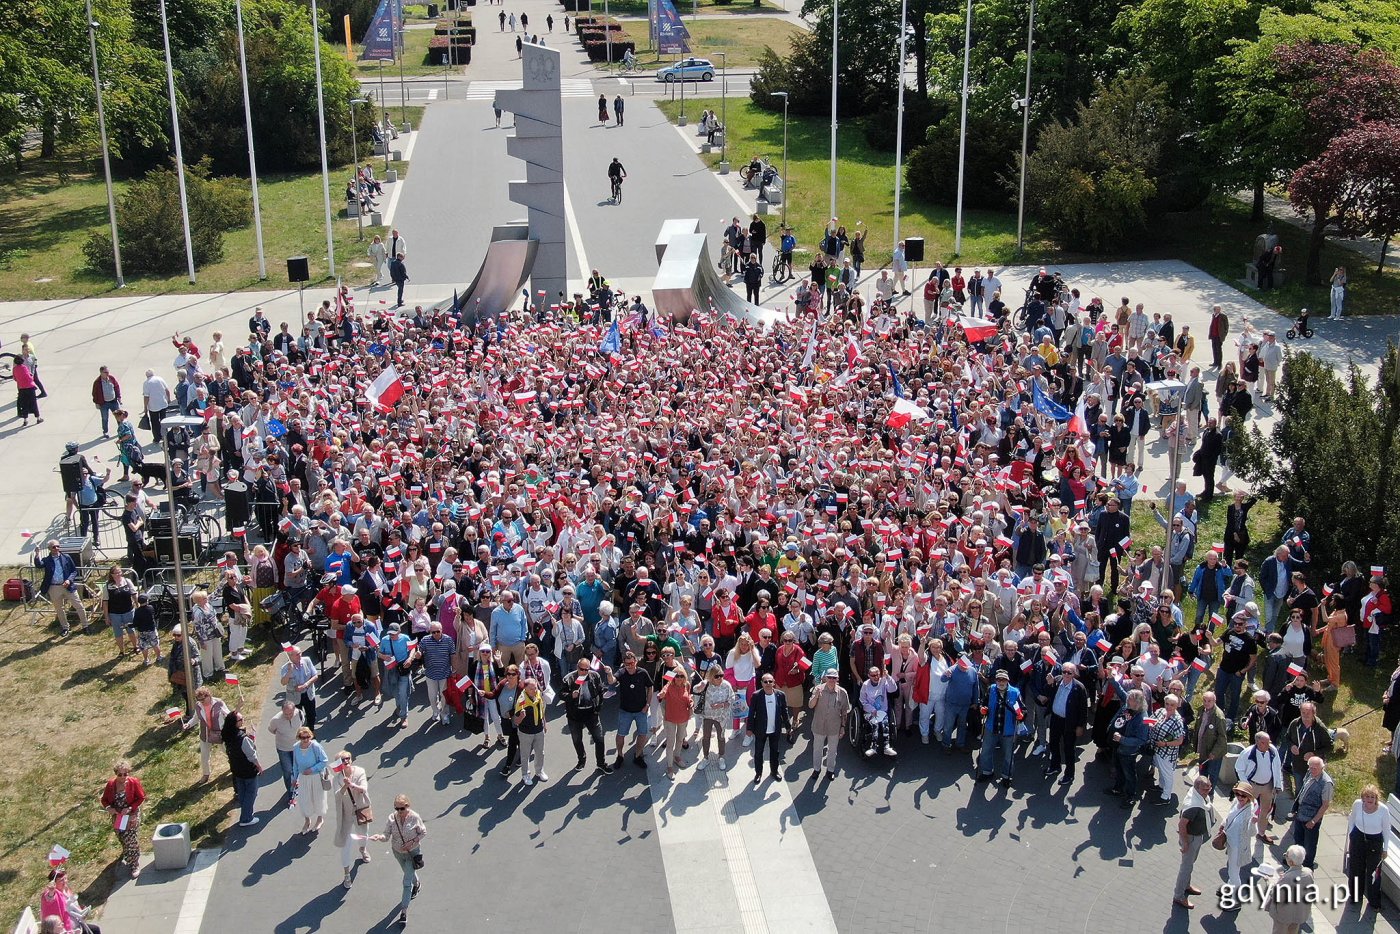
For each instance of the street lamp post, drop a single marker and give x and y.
(724, 114)
(106, 159)
(962, 131)
(899, 116)
(355, 172)
(175, 130)
(835, 31)
(1025, 104)
(252, 157)
(383, 102)
(786, 193)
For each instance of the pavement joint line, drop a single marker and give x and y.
(737, 855)
(398, 185)
(744, 208)
(197, 891)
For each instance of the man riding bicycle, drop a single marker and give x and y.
(616, 173)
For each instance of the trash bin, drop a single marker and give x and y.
(432, 11)
(914, 249)
(171, 843)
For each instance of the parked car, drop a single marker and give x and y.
(687, 69)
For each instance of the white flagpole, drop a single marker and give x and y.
(179, 152)
(962, 132)
(321, 126)
(252, 158)
(106, 158)
(899, 117)
(835, 31)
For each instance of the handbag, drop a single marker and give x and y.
(1343, 636)
(364, 815)
(417, 860)
(144, 423)
(177, 677)
(1218, 841)
(325, 780)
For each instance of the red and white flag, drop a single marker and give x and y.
(58, 855)
(1199, 663)
(386, 389)
(1102, 644)
(231, 679)
(1295, 669)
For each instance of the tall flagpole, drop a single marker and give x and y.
(962, 131)
(106, 158)
(179, 152)
(899, 117)
(1025, 133)
(835, 31)
(252, 159)
(321, 126)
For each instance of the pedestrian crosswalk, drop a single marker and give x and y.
(568, 87)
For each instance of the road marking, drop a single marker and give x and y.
(744, 207)
(201, 883)
(432, 94)
(393, 204)
(568, 87)
(575, 235)
(749, 844)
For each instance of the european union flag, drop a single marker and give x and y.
(612, 342)
(378, 350)
(1047, 406)
(276, 428)
(895, 384)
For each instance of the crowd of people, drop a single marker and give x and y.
(865, 525)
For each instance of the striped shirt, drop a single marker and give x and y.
(437, 656)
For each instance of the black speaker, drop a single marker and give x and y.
(236, 511)
(190, 545)
(298, 270)
(914, 249)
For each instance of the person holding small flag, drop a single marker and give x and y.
(1003, 713)
(122, 798)
(583, 699)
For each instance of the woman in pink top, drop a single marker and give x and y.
(28, 402)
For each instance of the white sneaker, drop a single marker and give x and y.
(888, 750)
(529, 780)
(748, 741)
(703, 763)
(870, 753)
(541, 777)
(1040, 748)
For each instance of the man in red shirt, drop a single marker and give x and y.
(725, 617)
(340, 604)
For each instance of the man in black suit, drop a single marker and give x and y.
(768, 721)
(1237, 526)
(1069, 709)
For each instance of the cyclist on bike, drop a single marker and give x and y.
(616, 173)
(786, 245)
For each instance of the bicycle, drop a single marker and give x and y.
(7, 365)
(756, 166)
(617, 189)
(778, 266)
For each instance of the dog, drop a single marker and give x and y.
(1341, 739)
(150, 471)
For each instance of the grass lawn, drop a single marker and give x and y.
(1216, 237)
(60, 752)
(50, 219)
(743, 41)
(865, 188)
(688, 7)
(415, 58)
(1360, 691)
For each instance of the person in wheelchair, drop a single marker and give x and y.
(875, 707)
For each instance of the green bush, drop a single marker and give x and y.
(919, 115)
(991, 155)
(148, 217)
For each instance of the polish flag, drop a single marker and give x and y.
(240, 532)
(1102, 644)
(284, 524)
(1003, 541)
(1377, 570)
(339, 766)
(1026, 665)
(463, 682)
(1216, 619)
(58, 855)
(963, 663)
(172, 713)
(977, 329)
(286, 646)
(231, 679)
(1218, 547)
(905, 411)
(1199, 663)
(852, 353)
(386, 389)
(1295, 669)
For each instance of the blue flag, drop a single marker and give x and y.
(380, 43)
(895, 384)
(612, 343)
(276, 428)
(1047, 406)
(671, 35)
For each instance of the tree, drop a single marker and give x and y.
(148, 217)
(991, 156)
(1090, 181)
(1343, 92)
(1331, 457)
(1354, 186)
(282, 83)
(868, 62)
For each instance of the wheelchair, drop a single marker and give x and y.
(870, 739)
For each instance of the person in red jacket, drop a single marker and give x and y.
(725, 619)
(122, 799)
(107, 396)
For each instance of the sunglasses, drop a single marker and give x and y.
(401, 807)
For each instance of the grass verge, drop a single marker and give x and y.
(1215, 237)
(707, 7)
(742, 41)
(50, 216)
(1357, 700)
(72, 710)
(415, 57)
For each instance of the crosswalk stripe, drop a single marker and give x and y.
(568, 87)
